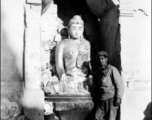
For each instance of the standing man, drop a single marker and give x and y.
(109, 90)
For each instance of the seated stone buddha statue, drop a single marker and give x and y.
(72, 62)
(73, 58)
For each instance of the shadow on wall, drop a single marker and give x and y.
(9, 67)
(147, 112)
(11, 78)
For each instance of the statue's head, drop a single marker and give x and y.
(76, 27)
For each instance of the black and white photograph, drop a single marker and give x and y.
(75, 60)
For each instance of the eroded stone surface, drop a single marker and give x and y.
(33, 96)
(50, 28)
(32, 46)
(9, 109)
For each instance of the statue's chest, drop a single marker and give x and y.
(72, 50)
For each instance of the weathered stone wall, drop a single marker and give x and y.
(12, 34)
(136, 56)
(135, 40)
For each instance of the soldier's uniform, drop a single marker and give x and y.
(109, 91)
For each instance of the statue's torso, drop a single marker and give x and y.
(70, 57)
(75, 54)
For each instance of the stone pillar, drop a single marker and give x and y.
(126, 22)
(127, 43)
(33, 96)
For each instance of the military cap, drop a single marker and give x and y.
(102, 53)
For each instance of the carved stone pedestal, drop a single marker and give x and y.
(70, 107)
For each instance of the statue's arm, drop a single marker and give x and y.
(89, 75)
(88, 53)
(59, 59)
(89, 58)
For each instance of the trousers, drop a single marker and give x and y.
(105, 110)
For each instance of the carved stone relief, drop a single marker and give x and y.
(9, 109)
(50, 29)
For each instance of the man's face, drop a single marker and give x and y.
(76, 31)
(103, 61)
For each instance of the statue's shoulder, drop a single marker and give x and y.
(62, 42)
(86, 42)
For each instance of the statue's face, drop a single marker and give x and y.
(76, 31)
(103, 61)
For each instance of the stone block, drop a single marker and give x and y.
(70, 107)
(34, 1)
(33, 103)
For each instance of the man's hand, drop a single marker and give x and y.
(117, 101)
